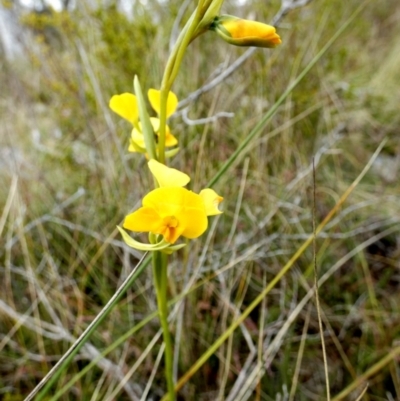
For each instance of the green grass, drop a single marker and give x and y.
(62, 259)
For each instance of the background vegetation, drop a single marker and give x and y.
(67, 180)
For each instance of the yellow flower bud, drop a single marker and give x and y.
(242, 32)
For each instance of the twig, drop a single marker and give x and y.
(206, 120)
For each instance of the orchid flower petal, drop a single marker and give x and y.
(211, 201)
(155, 100)
(126, 106)
(167, 176)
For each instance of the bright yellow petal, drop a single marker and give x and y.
(125, 105)
(211, 201)
(166, 176)
(138, 138)
(154, 98)
(155, 122)
(193, 216)
(170, 140)
(172, 104)
(166, 201)
(134, 147)
(145, 219)
(242, 28)
(241, 32)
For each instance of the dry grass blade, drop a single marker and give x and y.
(318, 305)
(373, 370)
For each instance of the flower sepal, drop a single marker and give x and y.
(171, 153)
(162, 245)
(173, 248)
(156, 238)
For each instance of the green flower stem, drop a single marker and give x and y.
(171, 71)
(63, 363)
(160, 265)
(163, 122)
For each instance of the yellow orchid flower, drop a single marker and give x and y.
(137, 140)
(242, 32)
(171, 210)
(126, 106)
(170, 140)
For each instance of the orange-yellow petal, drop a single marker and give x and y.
(211, 201)
(134, 147)
(154, 98)
(155, 123)
(167, 176)
(242, 32)
(170, 140)
(145, 219)
(138, 138)
(126, 106)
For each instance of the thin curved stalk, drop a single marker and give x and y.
(160, 267)
(42, 388)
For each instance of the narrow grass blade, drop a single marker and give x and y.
(394, 353)
(62, 364)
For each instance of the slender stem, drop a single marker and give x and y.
(165, 88)
(160, 265)
(171, 71)
(62, 364)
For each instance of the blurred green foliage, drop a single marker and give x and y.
(125, 45)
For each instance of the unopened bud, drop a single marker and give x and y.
(242, 32)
